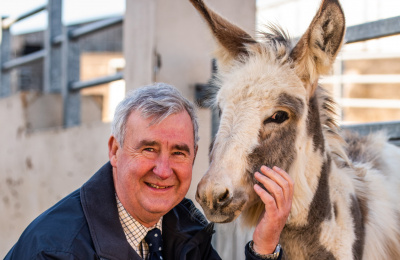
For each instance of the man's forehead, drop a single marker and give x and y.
(156, 123)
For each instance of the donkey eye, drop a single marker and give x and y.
(278, 117)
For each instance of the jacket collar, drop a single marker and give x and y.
(189, 230)
(100, 208)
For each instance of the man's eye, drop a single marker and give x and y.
(149, 149)
(179, 153)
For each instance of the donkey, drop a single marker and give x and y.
(346, 201)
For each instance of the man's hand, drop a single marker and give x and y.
(278, 203)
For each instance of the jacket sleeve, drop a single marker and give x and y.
(212, 255)
(251, 256)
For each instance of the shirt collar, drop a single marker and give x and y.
(133, 229)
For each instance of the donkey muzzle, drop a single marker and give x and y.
(220, 202)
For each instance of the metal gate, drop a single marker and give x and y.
(61, 55)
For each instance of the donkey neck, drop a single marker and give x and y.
(311, 172)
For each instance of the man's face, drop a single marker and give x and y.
(153, 170)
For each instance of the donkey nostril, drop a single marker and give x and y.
(224, 196)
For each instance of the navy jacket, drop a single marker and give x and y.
(85, 225)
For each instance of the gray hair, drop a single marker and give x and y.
(159, 101)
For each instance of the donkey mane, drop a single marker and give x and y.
(328, 113)
(273, 44)
(276, 37)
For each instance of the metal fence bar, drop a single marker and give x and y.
(10, 21)
(370, 103)
(58, 39)
(70, 73)
(392, 129)
(52, 63)
(96, 26)
(20, 61)
(373, 30)
(5, 55)
(5, 51)
(88, 29)
(363, 79)
(97, 81)
(71, 65)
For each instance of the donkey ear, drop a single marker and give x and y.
(316, 51)
(232, 40)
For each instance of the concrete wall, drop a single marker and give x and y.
(39, 168)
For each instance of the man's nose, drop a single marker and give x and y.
(163, 167)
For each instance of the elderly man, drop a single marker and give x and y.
(134, 207)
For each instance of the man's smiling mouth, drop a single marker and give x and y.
(156, 186)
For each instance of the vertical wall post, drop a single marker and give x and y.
(70, 73)
(52, 61)
(5, 55)
(139, 42)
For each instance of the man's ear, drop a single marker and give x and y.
(113, 147)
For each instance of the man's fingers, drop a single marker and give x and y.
(288, 179)
(267, 198)
(277, 199)
(278, 183)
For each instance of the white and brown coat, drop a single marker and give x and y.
(346, 202)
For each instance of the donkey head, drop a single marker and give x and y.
(265, 98)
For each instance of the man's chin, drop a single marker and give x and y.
(159, 206)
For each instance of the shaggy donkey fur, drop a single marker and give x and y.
(346, 201)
